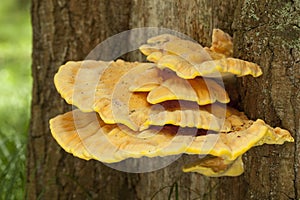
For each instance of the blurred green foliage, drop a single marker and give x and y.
(15, 95)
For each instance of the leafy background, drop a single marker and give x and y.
(15, 95)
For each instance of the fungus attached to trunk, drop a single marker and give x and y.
(172, 106)
(164, 85)
(189, 59)
(86, 136)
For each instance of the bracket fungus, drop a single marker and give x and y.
(188, 59)
(164, 85)
(170, 106)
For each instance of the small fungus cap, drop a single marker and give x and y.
(189, 59)
(216, 166)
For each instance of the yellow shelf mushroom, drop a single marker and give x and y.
(109, 95)
(86, 136)
(216, 166)
(164, 85)
(170, 107)
(189, 59)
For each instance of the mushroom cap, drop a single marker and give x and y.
(214, 68)
(221, 47)
(221, 43)
(216, 166)
(77, 82)
(189, 59)
(185, 49)
(86, 136)
(135, 112)
(107, 92)
(202, 91)
(165, 85)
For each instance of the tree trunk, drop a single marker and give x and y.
(264, 32)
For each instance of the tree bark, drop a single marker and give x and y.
(268, 33)
(264, 32)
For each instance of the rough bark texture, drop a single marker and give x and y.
(268, 33)
(264, 32)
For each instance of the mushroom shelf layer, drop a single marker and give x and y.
(216, 166)
(164, 85)
(104, 87)
(189, 59)
(86, 136)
